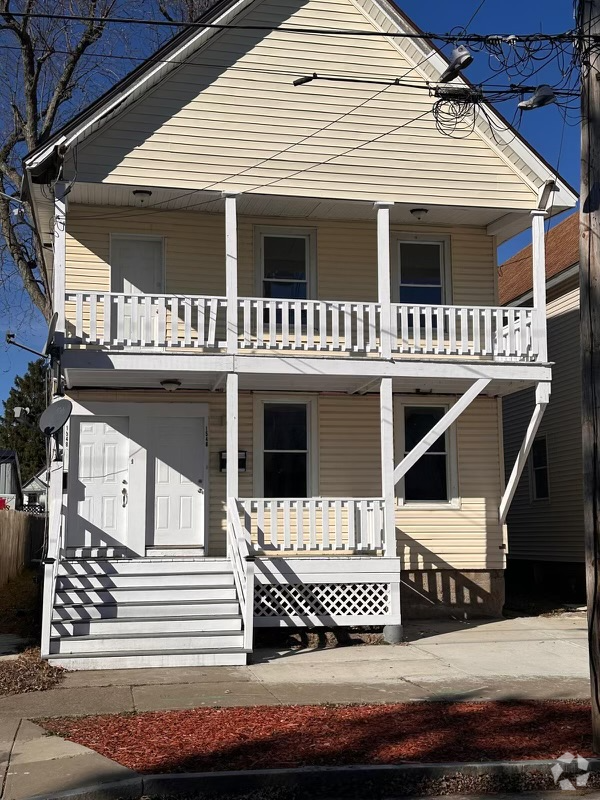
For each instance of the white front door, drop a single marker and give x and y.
(98, 483)
(137, 268)
(179, 465)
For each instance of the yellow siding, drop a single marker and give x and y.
(195, 253)
(468, 537)
(231, 119)
(551, 530)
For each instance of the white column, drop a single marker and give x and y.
(384, 276)
(231, 269)
(60, 257)
(386, 402)
(538, 249)
(232, 435)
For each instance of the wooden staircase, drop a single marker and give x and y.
(127, 613)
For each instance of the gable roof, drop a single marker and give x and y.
(562, 251)
(429, 63)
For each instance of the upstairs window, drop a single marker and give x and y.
(285, 266)
(540, 479)
(421, 273)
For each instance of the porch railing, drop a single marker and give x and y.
(314, 524)
(309, 325)
(462, 330)
(117, 320)
(242, 561)
(143, 320)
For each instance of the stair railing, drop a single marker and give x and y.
(242, 560)
(53, 553)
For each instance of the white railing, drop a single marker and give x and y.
(242, 561)
(142, 320)
(315, 524)
(308, 325)
(53, 552)
(492, 332)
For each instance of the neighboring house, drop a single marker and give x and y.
(282, 341)
(545, 523)
(35, 492)
(11, 493)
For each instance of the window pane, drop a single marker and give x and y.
(421, 295)
(285, 475)
(418, 421)
(284, 291)
(285, 257)
(542, 488)
(285, 426)
(540, 455)
(420, 263)
(427, 480)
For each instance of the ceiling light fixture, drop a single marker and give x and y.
(170, 384)
(419, 213)
(141, 196)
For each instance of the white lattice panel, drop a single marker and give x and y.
(323, 600)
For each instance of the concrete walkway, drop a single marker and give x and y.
(525, 658)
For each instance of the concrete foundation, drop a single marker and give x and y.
(443, 593)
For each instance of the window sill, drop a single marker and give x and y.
(428, 505)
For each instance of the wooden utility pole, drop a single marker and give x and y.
(589, 27)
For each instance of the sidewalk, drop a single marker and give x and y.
(525, 658)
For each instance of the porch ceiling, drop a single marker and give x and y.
(206, 381)
(295, 207)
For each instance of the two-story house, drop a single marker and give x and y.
(276, 290)
(545, 523)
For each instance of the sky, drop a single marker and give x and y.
(544, 128)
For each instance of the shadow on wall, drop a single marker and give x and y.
(432, 588)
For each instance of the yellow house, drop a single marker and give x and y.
(278, 326)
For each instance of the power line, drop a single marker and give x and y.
(474, 14)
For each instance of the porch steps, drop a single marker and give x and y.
(127, 613)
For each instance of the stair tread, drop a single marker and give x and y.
(149, 635)
(121, 653)
(138, 588)
(127, 603)
(150, 619)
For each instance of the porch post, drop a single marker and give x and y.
(232, 435)
(59, 249)
(538, 249)
(386, 402)
(384, 277)
(231, 269)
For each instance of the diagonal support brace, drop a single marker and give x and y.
(542, 397)
(441, 427)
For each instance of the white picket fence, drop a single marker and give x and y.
(315, 523)
(459, 330)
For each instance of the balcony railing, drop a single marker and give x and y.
(314, 524)
(116, 321)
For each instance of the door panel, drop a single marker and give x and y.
(98, 482)
(178, 474)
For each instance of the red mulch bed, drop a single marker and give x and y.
(212, 739)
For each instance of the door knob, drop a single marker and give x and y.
(125, 496)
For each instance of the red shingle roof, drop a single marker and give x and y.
(562, 251)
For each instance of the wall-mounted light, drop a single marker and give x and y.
(170, 384)
(242, 458)
(419, 213)
(142, 197)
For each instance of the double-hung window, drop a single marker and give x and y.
(285, 267)
(540, 479)
(422, 272)
(285, 449)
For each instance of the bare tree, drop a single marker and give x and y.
(49, 70)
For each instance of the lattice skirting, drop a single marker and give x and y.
(323, 604)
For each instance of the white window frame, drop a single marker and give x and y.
(146, 237)
(415, 401)
(310, 234)
(312, 436)
(532, 493)
(444, 243)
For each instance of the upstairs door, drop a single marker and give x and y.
(178, 468)
(137, 268)
(98, 487)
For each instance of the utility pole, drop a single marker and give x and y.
(589, 277)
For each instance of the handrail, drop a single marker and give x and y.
(242, 561)
(53, 554)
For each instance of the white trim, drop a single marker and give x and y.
(145, 237)
(312, 419)
(59, 249)
(231, 270)
(286, 231)
(454, 500)
(233, 436)
(445, 244)
(386, 421)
